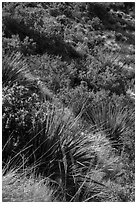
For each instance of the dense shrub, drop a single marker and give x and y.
(99, 9)
(14, 44)
(38, 25)
(19, 109)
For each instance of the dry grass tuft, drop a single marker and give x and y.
(22, 188)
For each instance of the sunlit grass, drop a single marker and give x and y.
(25, 187)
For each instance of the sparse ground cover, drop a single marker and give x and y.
(68, 102)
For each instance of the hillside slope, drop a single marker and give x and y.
(68, 106)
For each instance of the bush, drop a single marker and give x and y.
(19, 108)
(39, 26)
(118, 36)
(14, 44)
(96, 23)
(99, 9)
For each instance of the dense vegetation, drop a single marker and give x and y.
(68, 83)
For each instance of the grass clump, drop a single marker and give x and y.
(25, 187)
(73, 160)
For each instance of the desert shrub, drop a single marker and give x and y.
(124, 6)
(100, 72)
(96, 23)
(18, 113)
(10, 45)
(118, 36)
(99, 9)
(52, 71)
(108, 72)
(14, 44)
(63, 20)
(44, 29)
